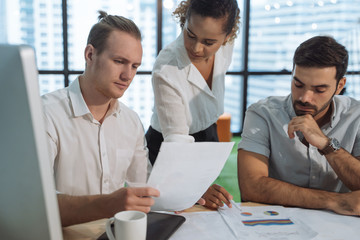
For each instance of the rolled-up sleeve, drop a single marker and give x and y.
(255, 136)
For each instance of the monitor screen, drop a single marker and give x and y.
(28, 205)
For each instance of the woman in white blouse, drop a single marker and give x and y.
(188, 78)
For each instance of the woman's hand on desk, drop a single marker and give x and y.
(216, 196)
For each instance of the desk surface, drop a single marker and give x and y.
(325, 224)
(93, 230)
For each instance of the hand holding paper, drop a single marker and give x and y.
(184, 171)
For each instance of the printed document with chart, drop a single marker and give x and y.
(250, 223)
(183, 172)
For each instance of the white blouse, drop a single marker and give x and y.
(184, 103)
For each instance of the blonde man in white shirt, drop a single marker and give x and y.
(97, 143)
(189, 80)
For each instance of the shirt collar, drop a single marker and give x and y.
(289, 106)
(181, 54)
(79, 105)
(335, 118)
(115, 108)
(183, 61)
(77, 101)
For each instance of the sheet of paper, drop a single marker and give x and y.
(228, 223)
(231, 216)
(329, 225)
(203, 225)
(184, 171)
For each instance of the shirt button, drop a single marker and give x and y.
(313, 177)
(106, 181)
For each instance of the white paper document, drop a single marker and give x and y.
(329, 225)
(203, 226)
(250, 223)
(268, 223)
(183, 172)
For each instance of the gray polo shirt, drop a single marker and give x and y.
(265, 132)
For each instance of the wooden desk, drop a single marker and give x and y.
(93, 230)
(327, 225)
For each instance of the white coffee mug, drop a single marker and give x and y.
(128, 225)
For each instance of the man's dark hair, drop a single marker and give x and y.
(320, 52)
(100, 32)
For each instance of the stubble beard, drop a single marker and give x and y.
(316, 111)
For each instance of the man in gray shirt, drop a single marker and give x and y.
(303, 150)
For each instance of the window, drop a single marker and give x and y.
(50, 82)
(278, 27)
(262, 59)
(84, 14)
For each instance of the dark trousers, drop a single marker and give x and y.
(155, 138)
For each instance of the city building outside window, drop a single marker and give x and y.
(262, 59)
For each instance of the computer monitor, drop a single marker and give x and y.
(28, 204)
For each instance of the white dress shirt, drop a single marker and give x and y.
(88, 157)
(184, 103)
(265, 133)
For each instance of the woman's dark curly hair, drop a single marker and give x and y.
(211, 8)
